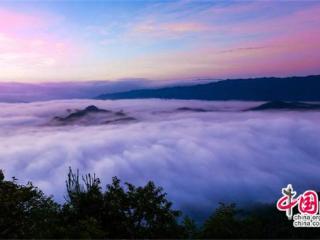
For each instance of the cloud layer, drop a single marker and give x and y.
(200, 158)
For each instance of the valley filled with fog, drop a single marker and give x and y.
(200, 152)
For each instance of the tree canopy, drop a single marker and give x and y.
(122, 210)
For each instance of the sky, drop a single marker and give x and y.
(57, 41)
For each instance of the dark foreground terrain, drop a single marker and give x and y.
(126, 211)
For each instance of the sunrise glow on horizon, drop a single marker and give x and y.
(157, 40)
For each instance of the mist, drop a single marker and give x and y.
(14, 92)
(223, 154)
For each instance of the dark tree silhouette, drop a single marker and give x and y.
(25, 212)
(119, 212)
(127, 211)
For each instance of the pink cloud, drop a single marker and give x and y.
(239, 7)
(233, 40)
(281, 45)
(294, 52)
(298, 21)
(33, 47)
(289, 46)
(184, 27)
(28, 51)
(26, 47)
(12, 21)
(170, 29)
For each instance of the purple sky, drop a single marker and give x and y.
(158, 40)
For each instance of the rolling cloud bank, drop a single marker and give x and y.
(203, 154)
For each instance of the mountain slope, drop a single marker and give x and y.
(280, 105)
(258, 89)
(91, 115)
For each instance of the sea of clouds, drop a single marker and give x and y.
(199, 158)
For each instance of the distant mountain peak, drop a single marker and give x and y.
(92, 115)
(282, 105)
(253, 89)
(92, 108)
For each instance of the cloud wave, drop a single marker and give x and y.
(200, 158)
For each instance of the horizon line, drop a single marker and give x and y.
(149, 80)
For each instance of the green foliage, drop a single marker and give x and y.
(265, 221)
(25, 212)
(84, 203)
(127, 211)
(119, 212)
(190, 228)
(222, 223)
(262, 221)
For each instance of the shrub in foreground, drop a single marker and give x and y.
(127, 211)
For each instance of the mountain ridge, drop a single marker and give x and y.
(91, 115)
(252, 89)
(281, 105)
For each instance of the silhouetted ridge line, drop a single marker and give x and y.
(256, 89)
(91, 115)
(280, 105)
